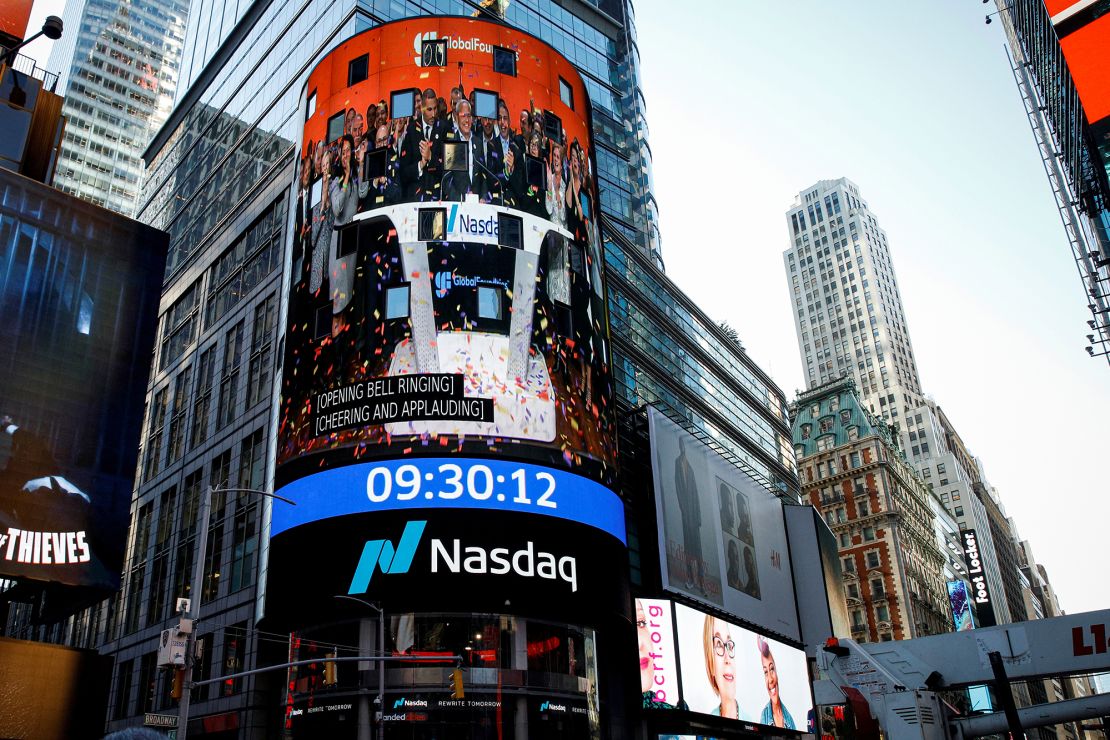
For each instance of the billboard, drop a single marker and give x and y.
(446, 335)
(658, 661)
(722, 540)
(960, 601)
(456, 560)
(80, 306)
(980, 591)
(1084, 32)
(731, 672)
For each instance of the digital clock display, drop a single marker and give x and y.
(420, 483)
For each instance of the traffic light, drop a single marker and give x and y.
(178, 683)
(457, 691)
(329, 670)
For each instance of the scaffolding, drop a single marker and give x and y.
(1063, 169)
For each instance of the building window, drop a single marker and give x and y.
(849, 564)
(882, 613)
(854, 459)
(566, 93)
(235, 641)
(873, 559)
(826, 424)
(868, 533)
(857, 619)
(247, 262)
(148, 679)
(878, 590)
(124, 677)
(226, 411)
(807, 430)
(862, 509)
(941, 469)
(845, 539)
(179, 325)
(834, 403)
(252, 469)
(157, 433)
(852, 590)
(815, 410)
(262, 330)
(202, 405)
(179, 411)
(853, 433)
(358, 69)
(959, 511)
(825, 443)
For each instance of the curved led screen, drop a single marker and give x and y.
(446, 334)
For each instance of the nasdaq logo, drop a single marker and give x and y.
(391, 559)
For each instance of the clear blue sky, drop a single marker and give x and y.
(915, 103)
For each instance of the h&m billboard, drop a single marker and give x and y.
(722, 540)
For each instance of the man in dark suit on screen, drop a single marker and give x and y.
(421, 159)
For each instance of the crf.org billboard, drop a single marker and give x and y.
(79, 304)
(722, 540)
(446, 335)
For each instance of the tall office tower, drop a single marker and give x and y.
(847, 308)
(1058, 53)
(220, 181)
(117, 65)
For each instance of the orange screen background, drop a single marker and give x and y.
(1087, 52)
(394, 49)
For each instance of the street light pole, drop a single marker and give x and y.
(381, 649)
(204, 514)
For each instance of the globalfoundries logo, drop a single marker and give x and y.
(443, 283)
(453, 42)
(453, 557)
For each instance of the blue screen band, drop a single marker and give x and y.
(449, 483)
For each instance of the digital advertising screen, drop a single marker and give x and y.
(960, 601)
(730, 672)
(722, 538)
(80, 308)
(446, 341)
(658, 660)
(980, 593)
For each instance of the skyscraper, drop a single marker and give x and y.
(850, 321)
(847, 307)
(117, 65)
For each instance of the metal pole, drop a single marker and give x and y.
(1002, 686)
(203, 515)
(380, 712)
